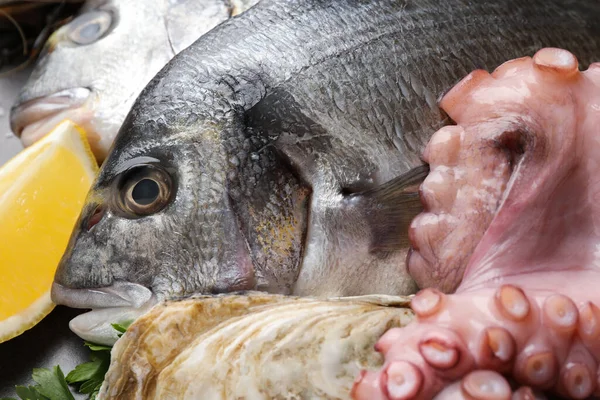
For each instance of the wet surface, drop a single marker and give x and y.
(9, 88)
(50, 342)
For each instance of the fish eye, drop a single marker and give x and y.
(145, 190)
(89, 27)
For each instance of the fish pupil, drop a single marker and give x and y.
(145, 192)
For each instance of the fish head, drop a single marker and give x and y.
(169, 215)
(92, 69)
(156, 217)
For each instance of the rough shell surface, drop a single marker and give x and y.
(251, 346)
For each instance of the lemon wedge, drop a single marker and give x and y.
(42, 191)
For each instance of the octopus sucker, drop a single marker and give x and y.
(251, 346)
(517, 297)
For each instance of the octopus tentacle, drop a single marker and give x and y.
(486, 385)
(511, 224)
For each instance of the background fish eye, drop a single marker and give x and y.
(144, 190)
(89, 27)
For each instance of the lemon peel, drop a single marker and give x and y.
(42, 191)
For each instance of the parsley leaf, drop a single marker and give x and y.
(84, 372)
(52, 384)
(28, 393)
(122, 327)
(90, 375)
(97, 347)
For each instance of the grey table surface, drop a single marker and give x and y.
(50, 342)
(9, 87)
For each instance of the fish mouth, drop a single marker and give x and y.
(119, 303)
(33, 119)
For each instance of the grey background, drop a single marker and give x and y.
(9, 88)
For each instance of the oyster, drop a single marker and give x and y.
(251, 346)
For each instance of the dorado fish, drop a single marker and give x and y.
(280, 152)
(92, 69)
(251, 346)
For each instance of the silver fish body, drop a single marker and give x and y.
(92, 69)
(280, 152)
(253, 346)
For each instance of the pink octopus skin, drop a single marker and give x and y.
(521, 169)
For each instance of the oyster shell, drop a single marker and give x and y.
(251, 346)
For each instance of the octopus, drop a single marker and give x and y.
(507, 247)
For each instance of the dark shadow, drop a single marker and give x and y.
(47, 344)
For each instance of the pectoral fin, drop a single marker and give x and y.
(391, 207)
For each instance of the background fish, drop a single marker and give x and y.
(92, 69)
(281, 150)
(251, 346)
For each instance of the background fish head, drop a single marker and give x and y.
(92, 69)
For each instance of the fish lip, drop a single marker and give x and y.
(117, 303)
(41, 108)
(96, 326)
(119, 294)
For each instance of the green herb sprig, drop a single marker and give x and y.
(86, 377)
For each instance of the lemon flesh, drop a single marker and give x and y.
(42, 191)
